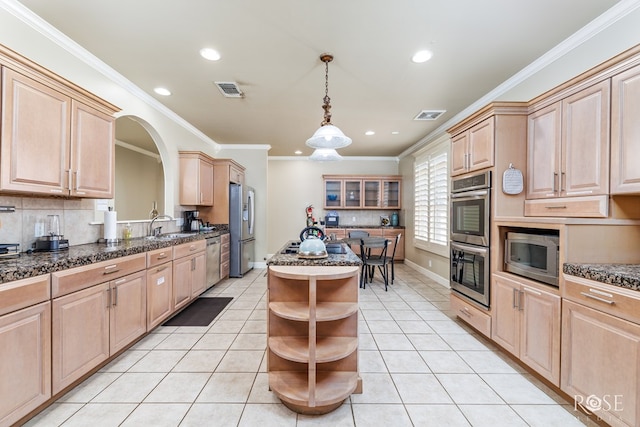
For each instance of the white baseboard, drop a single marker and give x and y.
(430, 274)
(262, 264)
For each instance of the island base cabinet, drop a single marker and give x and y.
(25, 361)
(312, 336)
(601, 364)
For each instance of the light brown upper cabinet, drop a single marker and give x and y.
(473, 149)
(625, 132)
(568, 146)
(196, 179)
(51, 143)
(362, 192)
(225, 172)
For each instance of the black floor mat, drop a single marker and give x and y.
(201, 312)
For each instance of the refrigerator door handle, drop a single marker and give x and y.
(251, 212)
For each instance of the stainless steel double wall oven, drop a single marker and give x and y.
(470, 236)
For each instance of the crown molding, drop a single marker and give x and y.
(25, 15)
(265, 147)
(602, 22)
(349, 158)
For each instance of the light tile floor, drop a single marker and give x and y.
(419, 366)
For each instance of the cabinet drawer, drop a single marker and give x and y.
(225, 238)
(619, 302)
(75, 279)
(23, 293)
(224, 269)
(580, 207)
(475, 317)
(224, 256)
(159, 256)
(225, 247)
(189, 248)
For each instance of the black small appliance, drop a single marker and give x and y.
(192, 221)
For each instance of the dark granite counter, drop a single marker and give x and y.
(391, 227)
(622, 275)
(283, 258)
(34, 264)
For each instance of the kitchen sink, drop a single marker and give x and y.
(170, 236)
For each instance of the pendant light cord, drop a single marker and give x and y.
(327, 101)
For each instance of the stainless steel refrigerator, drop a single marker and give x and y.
(242, 229)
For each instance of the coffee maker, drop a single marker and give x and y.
(192, 221)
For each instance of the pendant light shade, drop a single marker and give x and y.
(328, 137)
(325, 155)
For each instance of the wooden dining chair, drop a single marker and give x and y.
(373, 252)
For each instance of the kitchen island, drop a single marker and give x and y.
(312, 328)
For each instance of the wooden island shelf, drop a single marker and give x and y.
(313, 335)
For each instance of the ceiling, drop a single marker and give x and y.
(272, 48)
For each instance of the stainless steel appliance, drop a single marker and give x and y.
(470, 236)
(471, 209)
(241, 229)
(213, 260)
(533, 255)
(470, 271)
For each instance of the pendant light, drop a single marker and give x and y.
(325, 155)
(328, 137)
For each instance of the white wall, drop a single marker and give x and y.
(295, 183)
(139, 182)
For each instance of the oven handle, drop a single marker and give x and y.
(471, 249)
(475, 193)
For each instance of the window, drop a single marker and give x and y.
(432, 198)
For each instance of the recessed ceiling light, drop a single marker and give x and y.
(369, 133)
(422, 56)
(210, 54)
(298, 152)
(395, 132)
(162, 91)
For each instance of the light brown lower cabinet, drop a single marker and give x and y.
(90, 325)
(475, 317)
(225, 248)
(601, 363)
(25, 361)
(526, 323)
(159, 294)
(189, 272)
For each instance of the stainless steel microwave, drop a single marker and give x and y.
(534, 256)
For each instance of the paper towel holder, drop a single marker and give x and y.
(110, 227)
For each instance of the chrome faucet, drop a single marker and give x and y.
(156, 231)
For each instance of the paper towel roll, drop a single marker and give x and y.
(110, 226)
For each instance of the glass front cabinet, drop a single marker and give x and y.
(362, 192)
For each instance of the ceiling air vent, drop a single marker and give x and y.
(429, 114)
(230, 89)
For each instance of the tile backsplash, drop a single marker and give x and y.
(77, 220)
(363, 217)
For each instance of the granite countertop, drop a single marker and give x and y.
(346, 259)
(622, 275)
(37, 263)
(400, 227)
